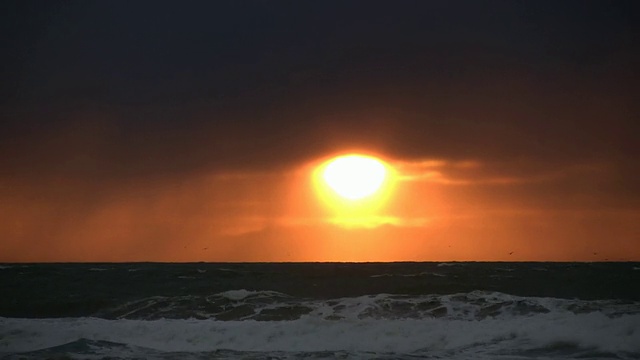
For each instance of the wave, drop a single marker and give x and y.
(243, 294)
(259, 324)
(540, 335)
(450, 264)
(245, 304)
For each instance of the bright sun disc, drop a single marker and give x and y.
(355, 177)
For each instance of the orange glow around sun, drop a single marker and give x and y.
(354, 187)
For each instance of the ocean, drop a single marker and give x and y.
(459, 310)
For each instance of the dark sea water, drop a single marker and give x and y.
(320, 311)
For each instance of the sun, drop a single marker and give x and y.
(354, 176)
(354, 188)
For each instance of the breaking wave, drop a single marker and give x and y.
(272, 305)
(256, 324)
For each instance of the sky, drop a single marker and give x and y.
(190, 131)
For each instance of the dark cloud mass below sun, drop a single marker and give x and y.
(100, 100)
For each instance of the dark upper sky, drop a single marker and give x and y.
(99, 94)
(166, 87)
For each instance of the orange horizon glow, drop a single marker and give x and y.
(293, 215)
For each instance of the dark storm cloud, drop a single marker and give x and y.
(113, 91)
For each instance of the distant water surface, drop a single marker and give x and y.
(320, 311)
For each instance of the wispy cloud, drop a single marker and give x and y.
(370, 222)
(471, 172)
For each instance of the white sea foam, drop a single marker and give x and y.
(410, 336)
